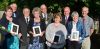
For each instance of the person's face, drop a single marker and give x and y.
(26, 12)
(75, 18)
(57, 19)
(14, 7)
(36, 14)
(85, 12)
(43, 9)
(9, 13)
(66, 11)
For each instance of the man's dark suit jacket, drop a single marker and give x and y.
(49, 18)
(63, 20)
(66, 25)
(23, 30)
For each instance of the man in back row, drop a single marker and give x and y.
(47, 17)
(66, 19)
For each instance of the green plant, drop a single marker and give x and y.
(3, 5)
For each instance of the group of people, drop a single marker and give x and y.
(56, 29)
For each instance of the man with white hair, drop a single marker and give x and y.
(88, 26)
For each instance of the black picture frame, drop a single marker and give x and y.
(57, 38)
(14, 28)
(37, 30)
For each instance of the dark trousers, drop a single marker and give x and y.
(66, 44)
(54, 48)
(74, 45)
(24, 43)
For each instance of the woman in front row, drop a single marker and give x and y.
(11, 40)
(36, 41)
(75, 27)
(56, 34)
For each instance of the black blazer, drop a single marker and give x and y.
(15, 19)
(49, 18)
(63, 20)
(23, 26)
(23, 30)
(4, 22)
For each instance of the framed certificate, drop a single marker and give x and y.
(37, 30)
(57, 38)
(14, 28)
(74, 36)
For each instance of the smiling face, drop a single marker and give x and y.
(26, 12)
(57, 19)
(43, 8)
(85, 11)
(66, 11)
(75, 18)
(8, 13)
(36, 14)
(14, 7)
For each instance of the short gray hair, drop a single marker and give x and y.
(74, 13)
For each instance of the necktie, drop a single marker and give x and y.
(14, 15)
(45, 16)
(66, 20)
(84, 22)
(27, 20)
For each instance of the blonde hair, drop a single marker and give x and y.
(36, 9)
(56, 15)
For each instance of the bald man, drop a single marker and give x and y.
(65, 20)
(44, 15)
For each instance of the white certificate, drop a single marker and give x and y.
(74, 36)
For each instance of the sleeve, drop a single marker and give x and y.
(65, 32)
(3, 22)
(43, 26)
(69, 27)
(19, 31)
(92, 24)
(47, 33)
